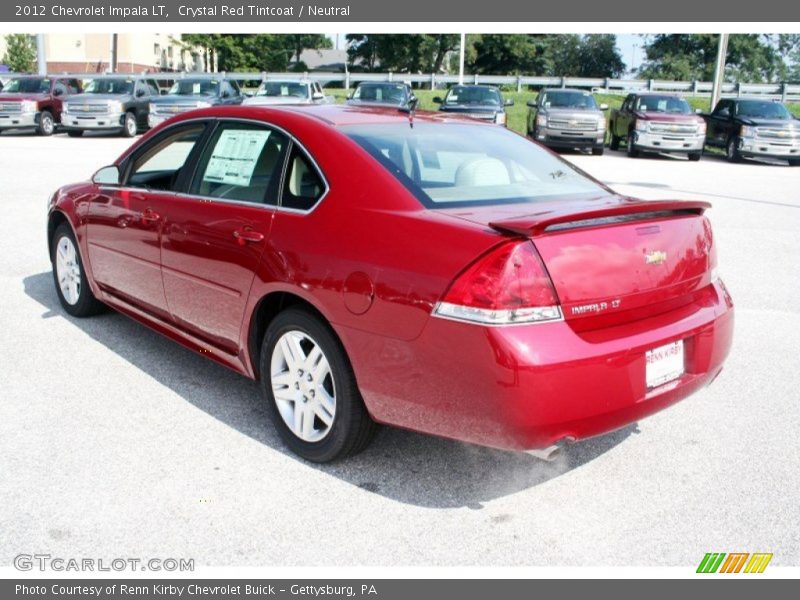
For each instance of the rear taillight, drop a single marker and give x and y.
(507, 286)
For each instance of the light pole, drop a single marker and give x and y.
(719, 70)
(633, 58)
(461, 59)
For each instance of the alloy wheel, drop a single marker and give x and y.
(68, 271)
(303, 386)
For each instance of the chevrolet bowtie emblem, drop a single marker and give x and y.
(656, 257)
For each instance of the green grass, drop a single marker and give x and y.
(517, 114)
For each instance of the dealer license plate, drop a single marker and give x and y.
(664, 364)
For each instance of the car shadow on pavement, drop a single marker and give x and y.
(404, 466)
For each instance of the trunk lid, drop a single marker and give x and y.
(615, 259)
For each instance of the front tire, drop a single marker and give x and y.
(694, 156)
(794, 162)
(47, 124)
(732, 150)
(130, 128)
(311, 389)
(69, 276)
(633, 151)
(75, 132)
(598, 151)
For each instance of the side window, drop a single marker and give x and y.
(160, 164)
(60, 89)
(235, 89)
(73, 86)
(241, 162)
(152, 87)
(724, 109)
(303, 186)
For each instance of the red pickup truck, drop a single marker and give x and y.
(650, 122)
(35, 102)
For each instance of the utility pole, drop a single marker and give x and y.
(41, 59)
(719, 70)
(112, 64)
(461, 59)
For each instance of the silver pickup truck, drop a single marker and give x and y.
(567, 118)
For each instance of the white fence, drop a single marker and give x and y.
(778, 91)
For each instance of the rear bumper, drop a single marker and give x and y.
(19, 120)
(756, 147)
(657, 142)
(526, 387)
(99, 122)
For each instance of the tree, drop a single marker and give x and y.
(312, 41)
(20, 53)
(401, 53)
(598, 57)
(750, 57)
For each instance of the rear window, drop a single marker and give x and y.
(461, 164)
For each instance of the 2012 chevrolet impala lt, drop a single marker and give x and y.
(369, 265)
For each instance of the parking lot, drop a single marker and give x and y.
(115, 442)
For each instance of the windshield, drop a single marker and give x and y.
(28, 85)
(194, 87)
(663, 104)
(461, 94)
(380, 92)
(577, 100)
(455, 164)
(283, 88)
(760, 109)
(109, 86)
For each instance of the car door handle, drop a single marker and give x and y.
(246, 236)
(150, 216)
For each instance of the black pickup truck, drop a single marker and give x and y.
(754, 127)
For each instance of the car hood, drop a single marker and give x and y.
(773, 123)
(669, 117)
(99, 98)
(183, 99)
(20, 97)
(274, 100)
(471, 108)
(573, 113)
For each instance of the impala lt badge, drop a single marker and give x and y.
(656, 257)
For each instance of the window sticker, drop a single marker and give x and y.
(235, 155)
(195, 88)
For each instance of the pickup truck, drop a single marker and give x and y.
(565, 118)
(651, 122)
(190, 93)
(35, 102)
(274, 92)
(111, 103)
(482, 102)
(753, 127)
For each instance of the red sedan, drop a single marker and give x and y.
(373, 266)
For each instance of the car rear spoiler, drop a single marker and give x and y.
(538, 224)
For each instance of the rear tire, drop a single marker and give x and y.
(75, 132)
(47, 124)
(633, 151)
(130, 127)
(614, 143)
(311, 389)
(794, 162)
(69, 276)
(694, 156)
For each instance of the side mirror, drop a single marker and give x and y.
(604, 107)
(532, 103)
(509, 102)
(437, 100)
(58, 92)
(107, 176)
(413, 98)
(139, 93)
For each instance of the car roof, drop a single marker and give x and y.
(338, 115)
(565, 90)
